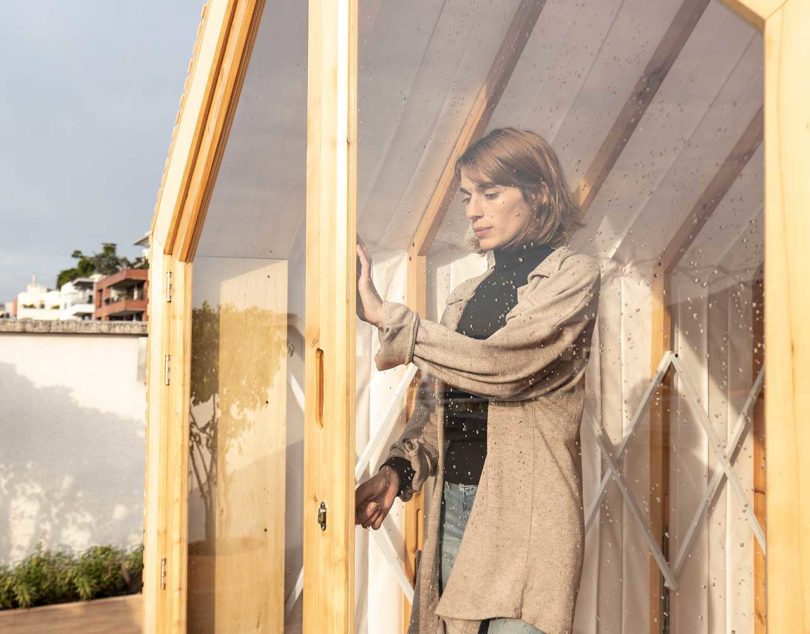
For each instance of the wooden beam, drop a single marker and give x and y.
(177, 438)
(715, 191)
(477, 120)
(755, 11)
(640, 98)
(509, 52)
(661, 329)
(231, 70)
(156, 509)
(330, 373)
(195, 105)
(787, 315)
(184, 140)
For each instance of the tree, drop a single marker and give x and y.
(106, 262)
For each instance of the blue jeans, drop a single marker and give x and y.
(457, 503)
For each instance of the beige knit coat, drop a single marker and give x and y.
(522, 550)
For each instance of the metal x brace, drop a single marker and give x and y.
(740, 428)
(717, 447)
(666, 360)
(627, 494)
(725, 472)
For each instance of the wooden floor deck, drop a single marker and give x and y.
(121, 615)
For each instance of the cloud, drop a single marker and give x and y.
(85, 124)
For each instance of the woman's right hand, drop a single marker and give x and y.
(374, 498)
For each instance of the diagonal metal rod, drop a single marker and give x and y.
(295, 592)
(666, 360)
(386, 546)
(298, 392)
(385, 429)
(382, 538)
(618, 477)
(717, 448)
(740, 428)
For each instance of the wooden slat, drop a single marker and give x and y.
(661, 330)
(329, 447)
(758, 433)
(714, 192)
(640, 98)
(787, 315)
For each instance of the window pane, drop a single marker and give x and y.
(247, 371)
(653, 111)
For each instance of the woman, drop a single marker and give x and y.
(500, 404)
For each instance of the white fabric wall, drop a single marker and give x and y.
(72, 417)
(716, 592)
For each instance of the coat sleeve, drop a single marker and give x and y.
(544, 344)
(418, 443)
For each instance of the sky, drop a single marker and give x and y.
(89, 92)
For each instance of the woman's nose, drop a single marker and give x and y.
(473, 209)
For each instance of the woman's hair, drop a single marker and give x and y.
(520, 158)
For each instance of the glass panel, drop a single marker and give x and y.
(245, 527)
(653, 111)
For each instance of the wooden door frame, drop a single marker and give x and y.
(329, 450)
(211, 94)
(786, 25)
(211, 86)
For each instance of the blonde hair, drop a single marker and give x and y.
(520, 158)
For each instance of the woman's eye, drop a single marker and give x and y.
(491, 195)
(465, 200)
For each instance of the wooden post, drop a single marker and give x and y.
(787, 315)
(329, 448)
(661, 329)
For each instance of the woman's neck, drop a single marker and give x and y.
(525, 254)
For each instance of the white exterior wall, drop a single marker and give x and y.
(72, 418)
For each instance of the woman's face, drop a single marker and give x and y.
(498, 214)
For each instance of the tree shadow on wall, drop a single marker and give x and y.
(69, 475)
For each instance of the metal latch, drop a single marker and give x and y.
(322, 516)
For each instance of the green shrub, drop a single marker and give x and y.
(56, 576)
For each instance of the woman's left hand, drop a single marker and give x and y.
(369, 303)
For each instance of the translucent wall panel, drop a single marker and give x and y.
(654, 110)
(247, 369)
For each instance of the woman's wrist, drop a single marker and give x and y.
(391, 475)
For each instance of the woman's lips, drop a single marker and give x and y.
(482, 231)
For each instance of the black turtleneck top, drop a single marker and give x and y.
(465, 414)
